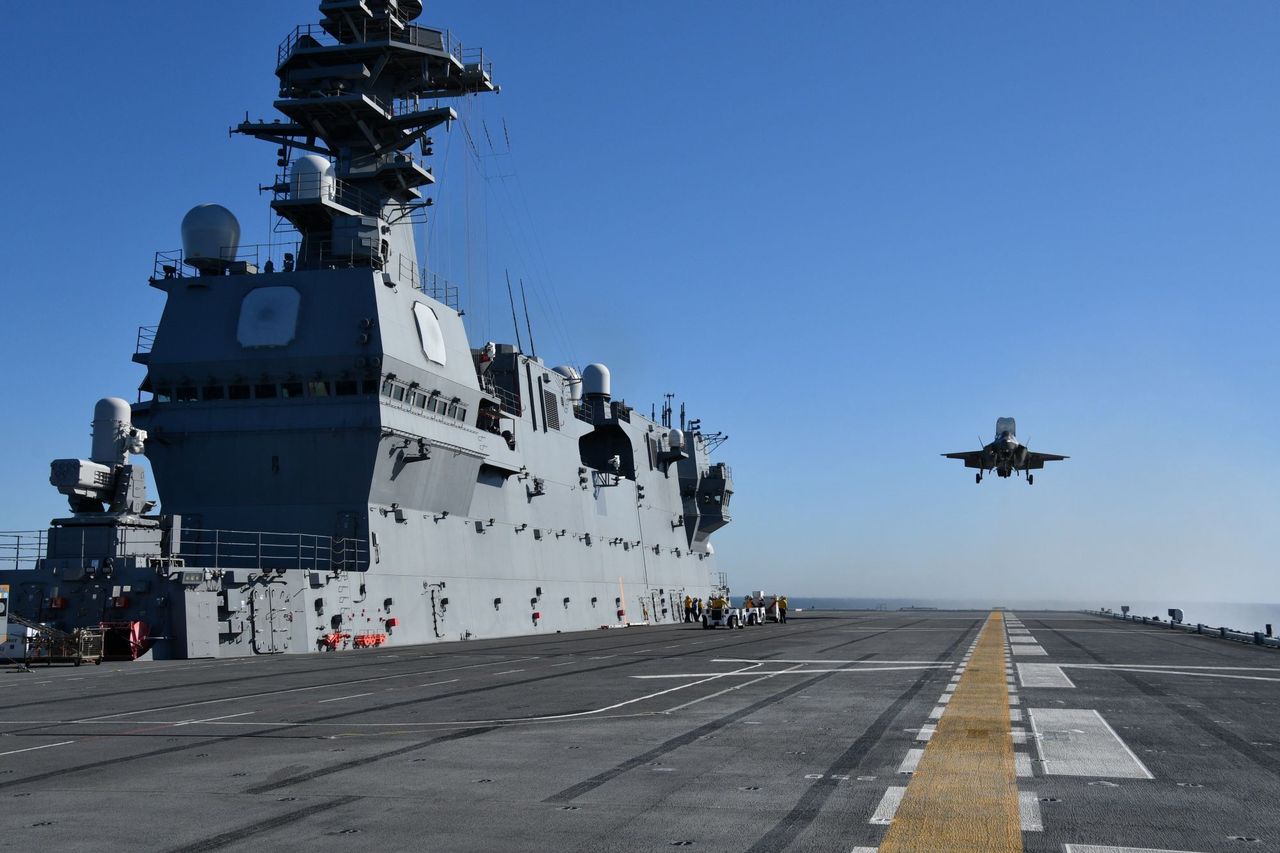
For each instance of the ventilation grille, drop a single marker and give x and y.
(552, 404)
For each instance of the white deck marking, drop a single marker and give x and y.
(34, 748)
(508, 671)
(1020, 641)
(1074, 742)
(926, 732)
(888, 806)
(1015, 715)
(1043, 675)
(1155, 671)
(829, 660)
(242, 697)
(341, 698)
(792, 671)
(1024, 651)
(911, 762)
(865, 850)
(1096, 848)
(1022, 765)
(945, 698)
(434, 683)
(1167, 666)
(1029, 812)
(215, 719)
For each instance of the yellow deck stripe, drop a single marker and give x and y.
(964, 794)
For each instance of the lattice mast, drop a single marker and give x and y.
(359, 90)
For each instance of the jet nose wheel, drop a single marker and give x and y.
(977, 478)
(1030, 479)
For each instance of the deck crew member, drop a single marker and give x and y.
(782, 609)
(688, 608)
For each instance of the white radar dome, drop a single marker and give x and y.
(210, 231)
(112, 418)
(676, 438)
(311, 176)
(595, 380)
(570, 373)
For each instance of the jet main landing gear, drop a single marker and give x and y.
(1030, 479)
(977, 478)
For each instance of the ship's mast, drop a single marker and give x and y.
(359, 89)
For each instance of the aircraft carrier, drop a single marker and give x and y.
(340, 467)
(854, 731)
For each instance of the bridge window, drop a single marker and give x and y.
(265, 391)
(213, 392)
(238, 392)
(318, 389)
(291, 389)
(345, 388)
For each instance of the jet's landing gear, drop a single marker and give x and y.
(977, 478)
(1030, 479)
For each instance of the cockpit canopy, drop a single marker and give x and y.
(1004, 425)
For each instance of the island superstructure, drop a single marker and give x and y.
(338, 464)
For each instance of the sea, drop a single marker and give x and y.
(1235, 616)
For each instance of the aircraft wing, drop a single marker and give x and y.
(972, 458)
(1037, 460)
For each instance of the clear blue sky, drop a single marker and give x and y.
(850, 234)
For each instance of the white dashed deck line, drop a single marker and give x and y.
(926, 732)
(1043, 675)
(945, 698)
(1022, 641)
(1077, 742)
(1022, 765)
(1029, 651)
(1096, 848)
(936, 713)
(1015, 715)
(1014, 699)
(34, 748)
(1018, 733)
(911, 762)
(888, 806)
(1029, 812)
(865, 850)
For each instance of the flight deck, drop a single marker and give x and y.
(838, 731)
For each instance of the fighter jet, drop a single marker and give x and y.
(1005, 455)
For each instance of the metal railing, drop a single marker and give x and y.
(22, 549)
(315, 35)
(264, 551)
(1257, 638)
(442, 290)
(146, 340)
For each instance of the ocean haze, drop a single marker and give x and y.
(1217, 614)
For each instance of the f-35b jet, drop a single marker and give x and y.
(1005, 455)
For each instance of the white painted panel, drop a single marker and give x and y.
(888, 806)
(1094, 848)
(1032, 651)
(1018, 640)
(1022, 765)
(430, 335)
(1077, 742)
(1029, 812)
(911, 762)
(1043, 675)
